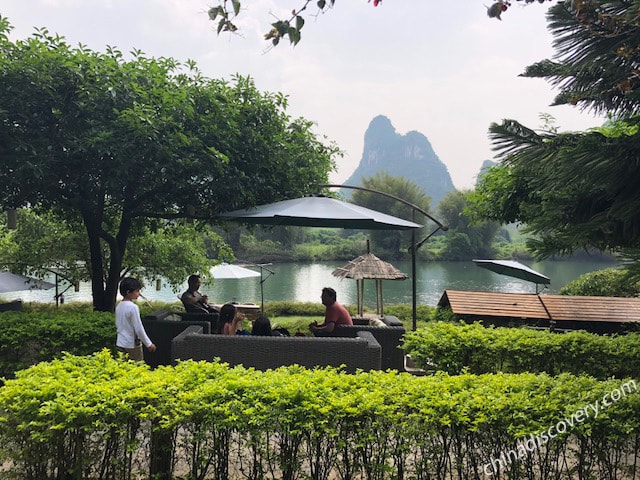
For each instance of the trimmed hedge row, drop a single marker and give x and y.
(33, 336)
(97, 417)
(473, 348)
(403, 312)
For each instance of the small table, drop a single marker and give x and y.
(251, 310)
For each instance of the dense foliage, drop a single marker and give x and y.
(577, 190)
(465, 239)
(27, 338)
(390, 243)
(476, 349)
(122, 147)
(96, 417)
(403, 312)
(610, 282)
(45, 243)
(42, 333)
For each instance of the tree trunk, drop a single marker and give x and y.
(103, 292)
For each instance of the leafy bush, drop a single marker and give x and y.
(311, 309)
(32, 336)
(98, 417)
(44, 332)
(455, 348)
(609, 282)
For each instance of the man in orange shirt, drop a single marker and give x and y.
(335, 314)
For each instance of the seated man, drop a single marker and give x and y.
(193, 300)
(335, 314)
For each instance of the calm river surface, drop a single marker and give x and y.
(304, 282)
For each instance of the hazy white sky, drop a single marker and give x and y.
(441, 67)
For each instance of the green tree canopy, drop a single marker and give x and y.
(117, 144)
(609, 282)
(48, 243)
(391, 241)
(478, 236)
(576, 189)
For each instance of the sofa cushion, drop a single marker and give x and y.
(376, 322)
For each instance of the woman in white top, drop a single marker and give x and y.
(131, 333)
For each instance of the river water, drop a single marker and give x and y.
(303, 282)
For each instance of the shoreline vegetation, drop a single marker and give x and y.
(282, 245)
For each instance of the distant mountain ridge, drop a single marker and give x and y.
(410, 156)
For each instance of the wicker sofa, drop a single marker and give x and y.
(263, 353)
(389, 337)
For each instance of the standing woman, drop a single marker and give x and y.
(131, 333)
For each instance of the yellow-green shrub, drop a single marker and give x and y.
(100, 417)
(455, 348)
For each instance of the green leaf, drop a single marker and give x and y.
(321, 4)
(213, 13)
(299, 23)
(236, 6)
(294, 35)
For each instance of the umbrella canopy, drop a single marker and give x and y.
(514, 269)
(11, 282)
(319, 211)
(369, 267)
(226, 271)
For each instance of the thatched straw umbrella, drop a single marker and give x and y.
(369, 267)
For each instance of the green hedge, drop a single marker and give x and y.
(97, 417)
(403, 312)
(37, 335)
(455, 348)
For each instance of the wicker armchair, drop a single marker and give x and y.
(162, 331)
(389, 337)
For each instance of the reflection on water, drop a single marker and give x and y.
(304, 282)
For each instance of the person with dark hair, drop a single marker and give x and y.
(193, 300)
(335, 314)
(130, 331)
(262, 326)
(230, 320)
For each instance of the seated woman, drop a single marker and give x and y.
(230, 320)
(262, 328)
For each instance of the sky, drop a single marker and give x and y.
(440, 67)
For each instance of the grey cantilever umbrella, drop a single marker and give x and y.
(11, 282)
(319, 211)
(514, 269)
(322, 211)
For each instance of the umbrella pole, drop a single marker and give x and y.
(413, 277)
(261, 292)
(57, 295)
